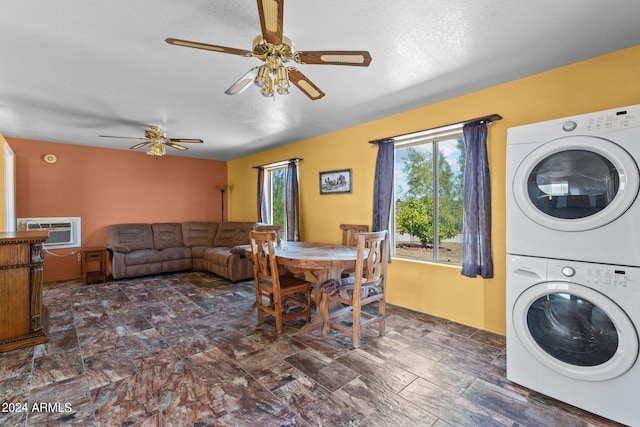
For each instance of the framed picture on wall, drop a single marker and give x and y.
(335, 182)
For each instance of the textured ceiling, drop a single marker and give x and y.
(71, 70)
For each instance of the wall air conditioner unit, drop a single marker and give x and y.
(64, 232)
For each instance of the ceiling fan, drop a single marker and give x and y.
(275, 50)
(158, 140)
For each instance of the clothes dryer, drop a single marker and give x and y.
(572, 333)
(572, 188)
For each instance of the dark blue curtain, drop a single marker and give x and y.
(263, 212)
(383, 185)
(476, 254)
(292, 204)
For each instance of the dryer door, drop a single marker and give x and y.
(575, 330)
(576, 183)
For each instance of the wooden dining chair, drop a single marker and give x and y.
(280, 291)
(366, 287)
(279, 229)
(349, 232)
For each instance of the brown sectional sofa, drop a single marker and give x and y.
(144, 249)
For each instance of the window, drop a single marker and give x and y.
(428, 209)
(279, 196)
(274, 191)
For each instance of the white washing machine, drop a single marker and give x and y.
(572, 188)
(572, 333)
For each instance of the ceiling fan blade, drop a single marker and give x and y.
(176, 146)
(123, 137)
(184, 140)
(304, 84)
(140, 145)
(271, 16)
(243, 83)
(358, 58)
(215, 48)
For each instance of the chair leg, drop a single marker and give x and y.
(259, 307)
(308, 306)
(382, 314)
(355, 331)
(278, 313)
(324, 310)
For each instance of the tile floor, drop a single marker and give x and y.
(184, 350)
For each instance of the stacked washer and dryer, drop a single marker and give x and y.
(573, 260)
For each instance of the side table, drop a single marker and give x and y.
(95, 255)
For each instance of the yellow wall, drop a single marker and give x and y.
(604, 82)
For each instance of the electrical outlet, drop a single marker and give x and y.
(78, 256)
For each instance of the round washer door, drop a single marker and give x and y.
(576, 183)
(575, 331)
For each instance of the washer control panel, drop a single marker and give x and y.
(596, 275)
(604, 121)
(597, 123)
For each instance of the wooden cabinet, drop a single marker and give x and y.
(23, 319)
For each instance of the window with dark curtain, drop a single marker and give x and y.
(292, 204)
(280, 180)
(476, 256)
(263, 215)
(383, 187)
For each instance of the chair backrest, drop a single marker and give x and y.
(349, 232)
(277, 228)
(371, 266)
(265, 266)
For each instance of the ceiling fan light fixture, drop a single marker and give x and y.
(263, 78)
(267, 91)
(157, 149)
(282, 78)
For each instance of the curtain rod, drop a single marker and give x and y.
(280, 163)
(490, 118)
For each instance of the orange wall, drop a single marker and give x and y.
(105, 186)
(607, 81)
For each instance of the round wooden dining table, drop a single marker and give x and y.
(323, 261)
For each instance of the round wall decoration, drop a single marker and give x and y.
(50, 158)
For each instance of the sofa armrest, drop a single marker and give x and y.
(119, 248)
(239, 250)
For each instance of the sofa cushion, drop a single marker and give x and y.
(167, 235)
(176, 253)
(199, 233)
(143, 256)
(232, 234)
(219, 256)
(198, 251)
(131, 236)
